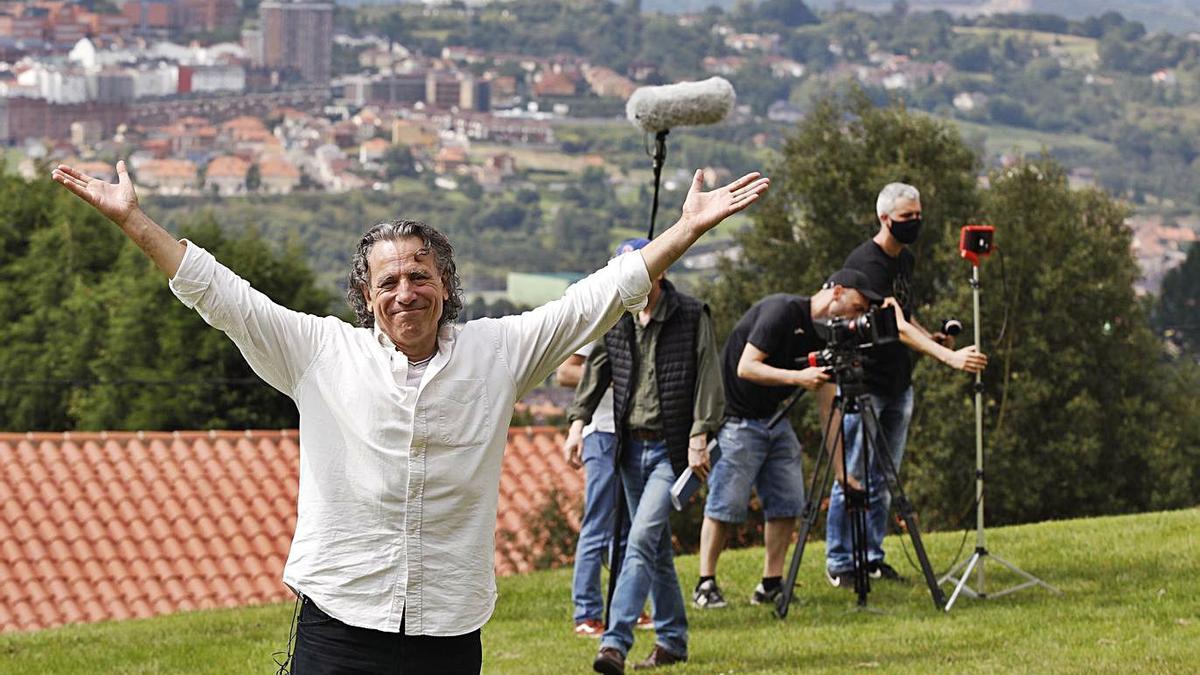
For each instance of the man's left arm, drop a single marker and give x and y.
(914, 336)
(709, 404)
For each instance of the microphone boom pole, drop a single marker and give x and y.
(660, 157)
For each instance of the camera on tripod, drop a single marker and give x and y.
(847, 337)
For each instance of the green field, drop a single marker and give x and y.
(1073, 46)
(999, 139)
(1129, 605)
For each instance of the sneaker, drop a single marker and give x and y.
(644, 622)
(762, 596)
(708, 596)
(840, 579)
(882, 570)
(591, 628)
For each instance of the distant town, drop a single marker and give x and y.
(266, 111)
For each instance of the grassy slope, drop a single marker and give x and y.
(1130, 606)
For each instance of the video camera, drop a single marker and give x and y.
(848, 337)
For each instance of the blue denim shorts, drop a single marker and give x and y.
(753, 455)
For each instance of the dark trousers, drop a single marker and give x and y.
(326, 646)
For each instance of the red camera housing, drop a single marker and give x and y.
(975, 242)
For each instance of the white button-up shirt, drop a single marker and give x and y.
(399, 484)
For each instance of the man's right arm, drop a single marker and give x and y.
(752, 367)
(278, 343)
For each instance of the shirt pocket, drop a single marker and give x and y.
(463, 415)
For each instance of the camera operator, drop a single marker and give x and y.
(760, 369)
(888, 263)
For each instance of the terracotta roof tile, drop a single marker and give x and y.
(112, 525)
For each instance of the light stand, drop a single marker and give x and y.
(976, 243)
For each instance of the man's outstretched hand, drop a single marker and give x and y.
(117, 201)
(704, 210)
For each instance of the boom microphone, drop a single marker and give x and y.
(655, 109)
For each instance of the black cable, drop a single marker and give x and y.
(1003, 295)
(961, 545)
(283, 658)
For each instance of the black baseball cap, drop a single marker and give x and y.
(851, 278)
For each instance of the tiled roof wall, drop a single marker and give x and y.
(97, 526)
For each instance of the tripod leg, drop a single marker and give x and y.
(789, 585)
(903, 507)
(1030, 579)
(962, 582)
(858, 505)
(808, 517)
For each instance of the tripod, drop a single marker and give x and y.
(981, 555)
(853, 398)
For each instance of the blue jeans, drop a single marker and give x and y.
(754, 454)
(894, 413)
(649, 565)
(595, 531)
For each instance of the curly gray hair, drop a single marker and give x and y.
(359, 277)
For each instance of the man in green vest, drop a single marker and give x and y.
(668, 399)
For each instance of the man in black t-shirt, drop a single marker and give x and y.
(763, 361)
(888, 264)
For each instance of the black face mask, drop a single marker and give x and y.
(906, 231)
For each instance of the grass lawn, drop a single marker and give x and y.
(1130, 605)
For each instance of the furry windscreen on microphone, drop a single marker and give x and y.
(685, 104)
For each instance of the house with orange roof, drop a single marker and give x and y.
(278, 175)
(243, 128)
(372, 151)
(607, 82)
(168, 176)
(226, 175)
(449, 159)
(549, 83)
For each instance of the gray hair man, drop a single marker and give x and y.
(888, 263)
(403, 420)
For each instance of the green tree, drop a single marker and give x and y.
(1177, 314)
(1074, 401)
(253, 178)
(92, 337)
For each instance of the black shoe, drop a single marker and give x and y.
(762, 596)
(882, 570)
(659, 656)
(708, 595)
(609, 662)
(840, 579)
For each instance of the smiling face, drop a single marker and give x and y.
(405, 293)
